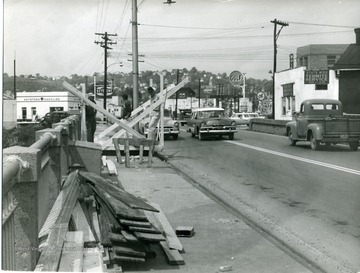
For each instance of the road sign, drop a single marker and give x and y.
(236, 78)
(260, 95)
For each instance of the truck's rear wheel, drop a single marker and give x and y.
(291, 140)
(315, 144)
(354, 145)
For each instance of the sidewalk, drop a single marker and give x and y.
(220, 238)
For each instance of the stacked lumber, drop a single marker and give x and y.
(118, 221)
(97, 226)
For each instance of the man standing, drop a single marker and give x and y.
(126, 107)
(154, 115)
(90, 119)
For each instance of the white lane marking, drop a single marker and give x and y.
(331, 166)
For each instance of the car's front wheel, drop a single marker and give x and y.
(231, 136)
(291, 139)
(314, 143)
(175, 137)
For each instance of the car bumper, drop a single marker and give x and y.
(167, 132)
(215, 131)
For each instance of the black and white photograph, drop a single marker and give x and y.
(177, 136)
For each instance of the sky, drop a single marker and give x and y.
(57, 37)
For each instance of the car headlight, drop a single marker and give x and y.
(233, 123)
(176, 124)
(203, 124)
(146, 125)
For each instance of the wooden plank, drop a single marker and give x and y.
(103, 160)
(50, 256)
(171, 238)
(121, 195)
(58, 207)
(145, 229)
(95, 220)
(134, 223)
(111, 167)
(105, 228)
(101, 110)
(129, 236)
(118, 208)
(169, 92)
(93, 261)
(114, 237)
(114, 268)
(82, 224)
(123, 258)
(72, 253)
(173, 256)
(127, 153)
(110, 215)
(106, 131)
(122, 250)
(151, 237)
(106, 256)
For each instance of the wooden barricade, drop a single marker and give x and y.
(136, 142)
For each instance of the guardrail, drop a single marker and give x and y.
(32, 178)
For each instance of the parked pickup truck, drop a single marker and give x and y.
(323, 121)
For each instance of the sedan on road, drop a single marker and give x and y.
(210, 122)
(171, 126)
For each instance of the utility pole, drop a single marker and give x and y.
(135, 54)
(107, 41)
(15, 78)
(176, 94)
(276, 36)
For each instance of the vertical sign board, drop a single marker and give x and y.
(316, 77)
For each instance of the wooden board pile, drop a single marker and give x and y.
(125, 226)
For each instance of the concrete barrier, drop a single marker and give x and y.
(269, 126)
(32, 179)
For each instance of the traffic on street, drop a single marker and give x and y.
(305, 200)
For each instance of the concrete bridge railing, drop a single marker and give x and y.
(32, 179)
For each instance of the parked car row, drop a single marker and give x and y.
(244, 118)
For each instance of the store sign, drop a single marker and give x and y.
(316, 76)
(100, 91)
(236, 78)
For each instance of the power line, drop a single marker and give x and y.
(214, 28)
(322, 25)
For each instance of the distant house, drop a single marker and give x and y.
(348, 72)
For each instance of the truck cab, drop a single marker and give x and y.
(323, 121)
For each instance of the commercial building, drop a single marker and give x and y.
(32, 105)
(322, 71)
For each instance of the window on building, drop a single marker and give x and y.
(331, 60)
(321, 86)
(304, 61)
(288, 99)
(23, 113)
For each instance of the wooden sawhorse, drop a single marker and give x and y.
(135, 142)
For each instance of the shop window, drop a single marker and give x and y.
(23, 113)
(331, 60)
(321, 86)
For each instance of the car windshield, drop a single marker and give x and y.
(212, 114)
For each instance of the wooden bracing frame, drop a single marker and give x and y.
(126, 127)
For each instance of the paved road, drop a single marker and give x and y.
(307, 200)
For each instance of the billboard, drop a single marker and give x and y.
(316, 77)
